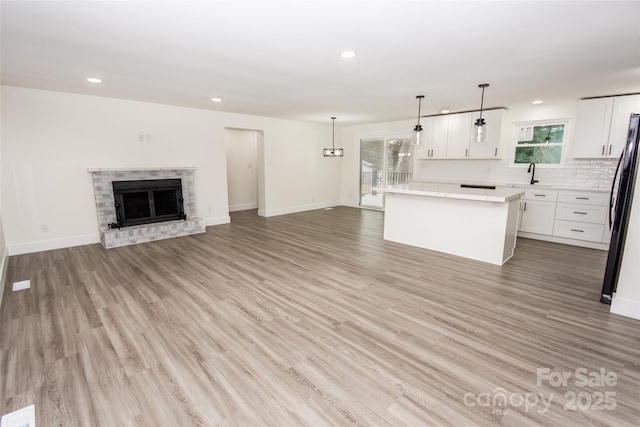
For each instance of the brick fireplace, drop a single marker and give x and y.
(103, 180)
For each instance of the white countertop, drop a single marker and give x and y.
(605, 189)
(454, 191)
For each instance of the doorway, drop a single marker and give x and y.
(245, 176)
(383, 161)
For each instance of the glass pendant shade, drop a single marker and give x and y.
(418, 135)
(481, 131)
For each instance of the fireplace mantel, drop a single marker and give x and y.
(131, 169)
(105, 205)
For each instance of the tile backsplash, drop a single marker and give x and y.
(585, 173)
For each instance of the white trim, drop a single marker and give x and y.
(625, 307)
(217, 220)
(565, 241)
(143, 169)
(349, 204)
(296, 209)
(243, 207)
(47, 245)
(564, 144)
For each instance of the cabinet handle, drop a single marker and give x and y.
(582, 198)
(496, 153)
(431, 152)
(577, 231)
(579, 213)
(611, 145)
(525, 207)
(465, 152)
(603, 150)
(540, 195)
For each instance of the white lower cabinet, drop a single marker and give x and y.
(538, 217)
(566, 216)
(578, 230)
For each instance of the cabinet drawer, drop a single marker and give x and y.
(584, 198)
(578, 230)
(581, 213)
(542, 195)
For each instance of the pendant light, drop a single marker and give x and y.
(481, 130)
(333, 151)
(417, 131)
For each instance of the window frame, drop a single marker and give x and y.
(564, 144)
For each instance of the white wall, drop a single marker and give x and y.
(242, 167)
(49, 139)
(3, 248)
(3, 261)
(587, 173)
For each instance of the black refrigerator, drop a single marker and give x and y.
(619, 212)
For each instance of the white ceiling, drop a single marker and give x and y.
(282, 59)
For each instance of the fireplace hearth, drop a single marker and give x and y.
(153, 204)
(147, 201)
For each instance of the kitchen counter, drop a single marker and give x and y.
(601, 189)
(452, 191)
(474, 223)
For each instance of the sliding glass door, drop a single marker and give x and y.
(383, 161)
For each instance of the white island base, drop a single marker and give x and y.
(471, 223)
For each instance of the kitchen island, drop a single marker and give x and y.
(475, 223)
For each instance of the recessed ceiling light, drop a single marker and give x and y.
(347, 54)
(445, 111)
(216, 99)
(537, 101)
(94, 80)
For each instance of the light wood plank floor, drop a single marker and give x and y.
(311, 319)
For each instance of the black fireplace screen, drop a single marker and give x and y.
(147, 201)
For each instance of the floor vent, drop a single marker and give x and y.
(18, 286)
(25, 417)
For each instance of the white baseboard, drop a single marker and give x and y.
(565, 241)
(47, 245)
(243, 207)
(296, 209)
(217, 220)
(350, 204)
(625, 307)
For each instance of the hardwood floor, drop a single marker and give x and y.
(312, 319)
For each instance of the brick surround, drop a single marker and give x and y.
(105, 209)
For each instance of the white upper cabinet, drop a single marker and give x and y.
(623, 107)
(603, 123)
(438, 132)
(451, 136)
(435, 135)
(490, 147)
(458, 136)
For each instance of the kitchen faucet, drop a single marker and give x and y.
(533, 174)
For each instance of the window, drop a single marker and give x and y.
(539, 142)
